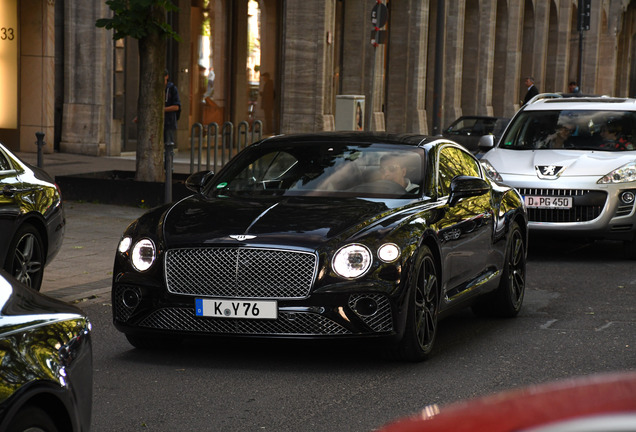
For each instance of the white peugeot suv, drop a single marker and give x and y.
(574, 161)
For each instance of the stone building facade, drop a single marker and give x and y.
(440, 60)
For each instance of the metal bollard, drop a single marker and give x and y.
(169, 155)
(40, 143)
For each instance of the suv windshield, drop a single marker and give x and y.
(572, 129)
(324, 169)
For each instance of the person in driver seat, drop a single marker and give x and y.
(392, 167)
(612, 138)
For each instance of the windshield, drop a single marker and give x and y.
(574, 129)
(477, 126)
(324, 169)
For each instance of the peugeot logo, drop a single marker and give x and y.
(241, 237)
(549, 171)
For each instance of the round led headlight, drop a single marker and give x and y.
(124, 245)
(388, 252)
(143, 254)
(352, 261)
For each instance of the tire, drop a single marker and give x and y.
(152, 342)
(423, 310)
(32, 419)
(506, 300)
(25, 259)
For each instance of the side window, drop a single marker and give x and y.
(4, 163)
(454, 162)
(271, 166)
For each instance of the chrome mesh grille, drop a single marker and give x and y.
(287, 324)
(586, 205)
(240, 272)
(381, 320)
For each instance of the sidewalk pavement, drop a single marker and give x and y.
(83, 268)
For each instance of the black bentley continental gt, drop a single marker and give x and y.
(331, 235)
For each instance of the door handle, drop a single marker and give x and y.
(9, 191)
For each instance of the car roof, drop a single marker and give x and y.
(555, 101)
(353, 138)
(464, 117)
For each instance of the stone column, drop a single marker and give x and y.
(606, 49)
(453, 51)
(560, 31)
(37, 72)
(486, 58)
(514, 52)
(305, 69)
(540, 52)
(88, 51)
(406, 82)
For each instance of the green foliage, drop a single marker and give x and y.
(139, 18)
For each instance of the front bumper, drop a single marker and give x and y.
(598, 211)
(138, 309)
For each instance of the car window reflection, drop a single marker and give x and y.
(324, 169)
(573, 129)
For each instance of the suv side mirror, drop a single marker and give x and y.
(486, 142)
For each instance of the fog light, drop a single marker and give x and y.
(628, 197)
(131, 298)
(366, 306)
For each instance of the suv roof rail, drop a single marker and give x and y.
(541, 96)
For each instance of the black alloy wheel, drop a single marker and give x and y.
(422, 319)
(25, 260)
(506, 300)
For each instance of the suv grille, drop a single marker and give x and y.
(586, 205)
(240, 272)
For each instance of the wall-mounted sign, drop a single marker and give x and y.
(9, 64)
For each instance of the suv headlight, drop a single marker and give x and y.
(624, 174)
(490, 170)
(352, 261)
(143, 254)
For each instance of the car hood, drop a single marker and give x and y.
(574, 162)
(294, 221)
(22, 308)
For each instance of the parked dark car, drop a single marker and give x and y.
(325, 236)
(46, 362)
(32, 221)
(467, 130)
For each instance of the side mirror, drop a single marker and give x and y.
(486, 142)
(465, 187)
(198, 181)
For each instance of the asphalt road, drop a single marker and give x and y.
(579, 318)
